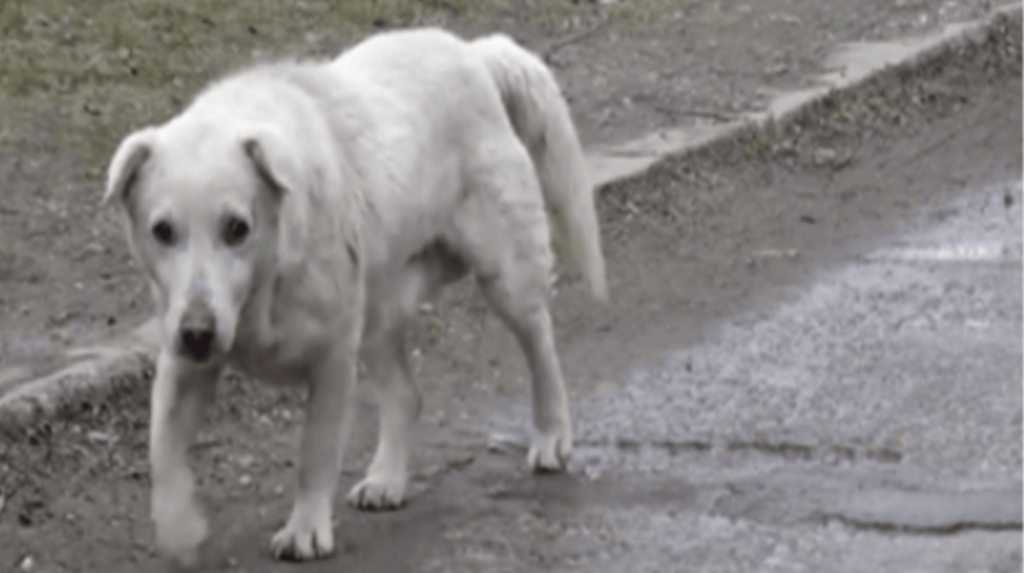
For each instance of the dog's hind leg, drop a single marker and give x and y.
(530, 320)
(384, 486)
(503, 231)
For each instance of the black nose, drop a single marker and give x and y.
(197, 331)
(198, 343)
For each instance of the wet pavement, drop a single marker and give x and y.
(871, 422)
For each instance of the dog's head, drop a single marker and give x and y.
(202, 208)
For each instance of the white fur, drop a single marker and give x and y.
(367, 184)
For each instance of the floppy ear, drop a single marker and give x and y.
(275, 170)
(283, 173)
(124, 167)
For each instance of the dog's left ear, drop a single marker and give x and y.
(133, 152)
(283, 173)
(273, 166)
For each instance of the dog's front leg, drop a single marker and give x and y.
(180, 394)
(309, 533)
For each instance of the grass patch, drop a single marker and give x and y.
(78, 76)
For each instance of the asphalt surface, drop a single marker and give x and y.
(882, 396)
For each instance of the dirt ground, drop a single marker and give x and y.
(73, 493)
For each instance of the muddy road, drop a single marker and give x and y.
(812, 362)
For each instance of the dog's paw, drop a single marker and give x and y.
(180, 533)
(549, 452)
(377, 492)
(303, 539)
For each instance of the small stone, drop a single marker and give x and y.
(100, 437)
(245, 480)
(27, 564)
(824, 156)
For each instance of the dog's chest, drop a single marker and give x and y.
(285, 360)
(280, 344)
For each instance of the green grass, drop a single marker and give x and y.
(56, 46)
(78, 75)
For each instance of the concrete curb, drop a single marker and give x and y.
(852, 65)
(94, 373)
(89, 374)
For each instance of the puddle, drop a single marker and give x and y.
(19, 346)
(25, 359)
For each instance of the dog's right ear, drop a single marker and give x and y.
(133, 152)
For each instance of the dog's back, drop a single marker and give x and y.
(431, 87)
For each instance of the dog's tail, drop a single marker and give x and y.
(540, 117)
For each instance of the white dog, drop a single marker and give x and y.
(294, 214)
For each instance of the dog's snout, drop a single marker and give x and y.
(197, 331)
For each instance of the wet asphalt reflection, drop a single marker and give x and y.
(871, 420)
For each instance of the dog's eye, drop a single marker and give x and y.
(163, 232)
(235, 232)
